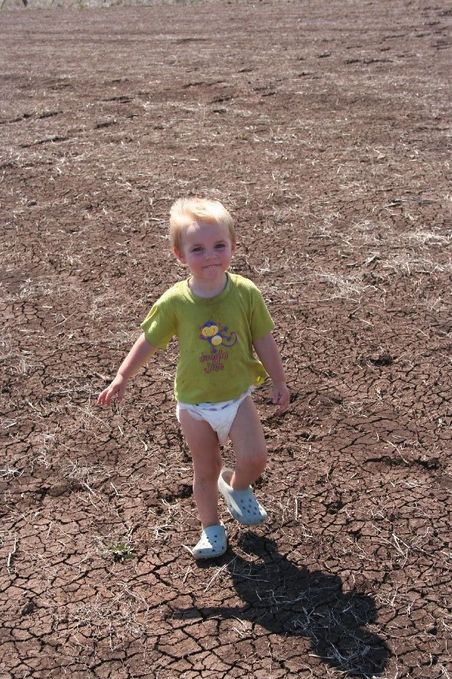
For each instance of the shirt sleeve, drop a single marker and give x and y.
(261, 321)
(159, 325)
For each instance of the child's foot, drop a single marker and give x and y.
(212, 543)
(242, 504)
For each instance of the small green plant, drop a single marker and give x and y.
(121, 552)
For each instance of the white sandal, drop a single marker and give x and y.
(242, 504)
(212, 543)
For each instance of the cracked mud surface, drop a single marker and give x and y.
(323, 127)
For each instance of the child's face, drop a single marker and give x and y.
(207, 250)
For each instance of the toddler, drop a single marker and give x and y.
(221, 322)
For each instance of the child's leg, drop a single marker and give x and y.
(248, 439)
(205, 451)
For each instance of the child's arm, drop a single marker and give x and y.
(139, 354)
(269, 354)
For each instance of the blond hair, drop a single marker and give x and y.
(186, 211)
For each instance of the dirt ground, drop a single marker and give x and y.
(323, 126)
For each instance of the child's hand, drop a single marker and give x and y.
(116, 390)
(281, 397)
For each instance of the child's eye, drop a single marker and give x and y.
(197, 249)
(220, 246)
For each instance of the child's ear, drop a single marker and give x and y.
(179, 255)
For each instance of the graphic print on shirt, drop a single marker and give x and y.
(219, 339)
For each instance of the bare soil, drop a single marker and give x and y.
(323, 126)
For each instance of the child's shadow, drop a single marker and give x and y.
(288, 600)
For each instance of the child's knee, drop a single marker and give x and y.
(208, 473)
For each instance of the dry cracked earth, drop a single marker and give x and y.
(324, 127)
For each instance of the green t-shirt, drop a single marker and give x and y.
(215, 335)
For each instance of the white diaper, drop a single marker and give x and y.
(220, 415)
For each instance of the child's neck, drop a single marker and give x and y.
(207, 288)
